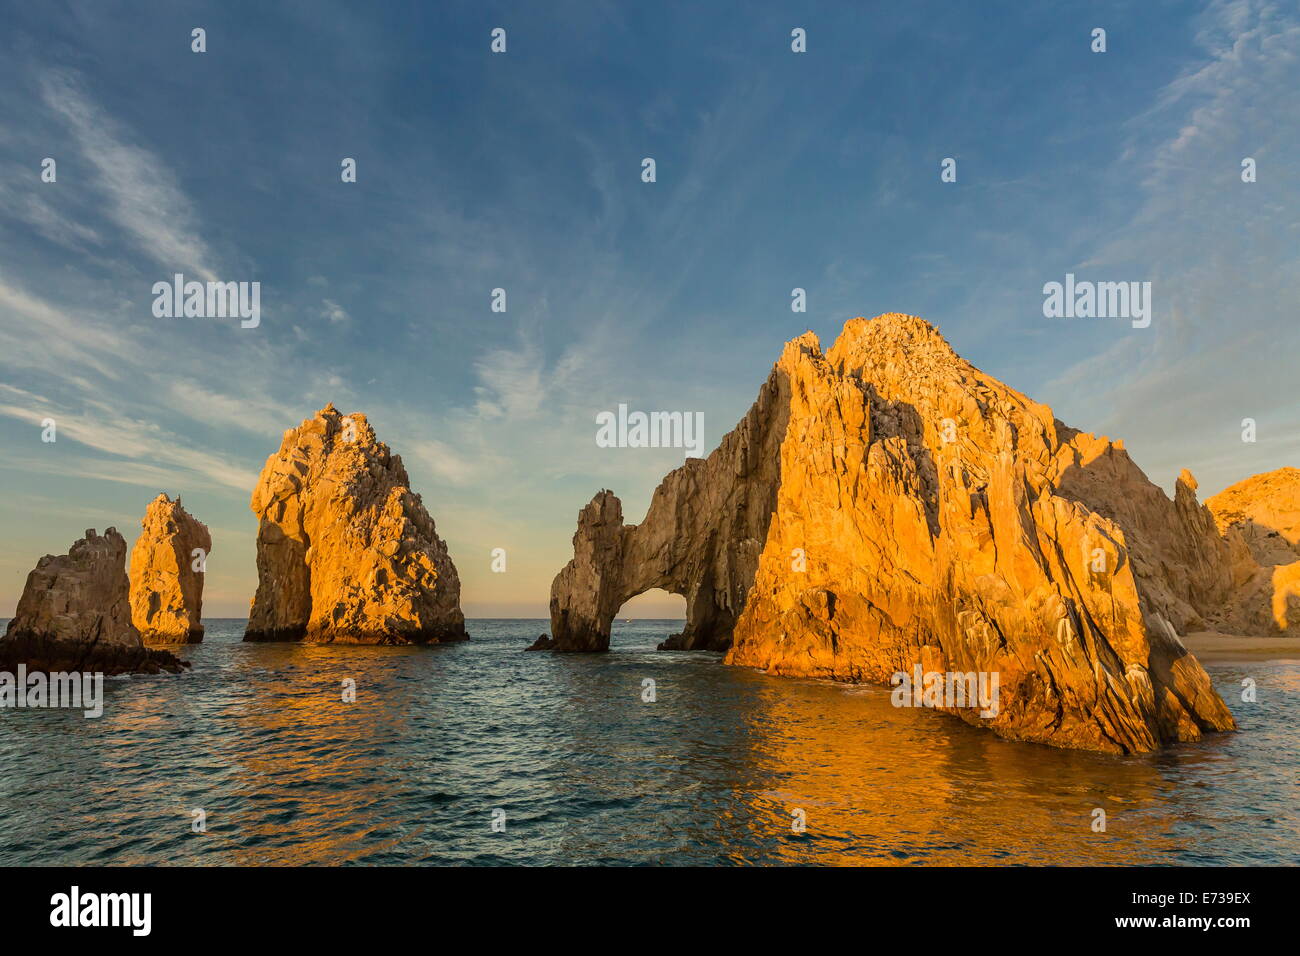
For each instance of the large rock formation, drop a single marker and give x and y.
(1260, 518)
(908, 510)
(75, 615)
(345, 550)
(166, 590)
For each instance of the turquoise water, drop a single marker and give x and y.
(586, 771)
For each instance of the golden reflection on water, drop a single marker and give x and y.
(885, 785)
(589, 771)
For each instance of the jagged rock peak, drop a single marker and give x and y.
(75, 615)
(167, 574)
(893, 331)
(346, 552)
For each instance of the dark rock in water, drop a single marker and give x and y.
(75, 615)
(41, 654)
(676, 642)
(543, 643)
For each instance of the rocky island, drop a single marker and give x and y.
(346, 552)
(167, 564)
(886, 506)
(75, 615)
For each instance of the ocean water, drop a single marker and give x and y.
(585, 771)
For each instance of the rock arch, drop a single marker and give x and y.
(701, 538)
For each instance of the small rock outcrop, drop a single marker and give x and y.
(886, 506)
(167, 576)
(75, 615)
(346, 552)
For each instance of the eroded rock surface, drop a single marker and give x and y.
(166, 588)
(924, 514)
(75, 615)
(345, 550)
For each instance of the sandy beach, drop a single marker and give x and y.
(1212, 646)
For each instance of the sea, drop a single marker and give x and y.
(480, 753)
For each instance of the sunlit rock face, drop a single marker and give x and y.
(1261, 517)
(345, 550)
(166, 575)
(75, 615)
(925, 515)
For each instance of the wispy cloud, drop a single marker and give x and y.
(143, 196)
(1224, 330)
(99, 427)
(334, 312)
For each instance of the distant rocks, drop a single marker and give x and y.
(1265, 511)
(1260, 517)
(75, 615)
(346, 552)
(886, 506)
(543, 643)
(166, 588)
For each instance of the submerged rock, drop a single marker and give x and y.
(166, 588)
(75, 615)
(887, 506)
(345, 550)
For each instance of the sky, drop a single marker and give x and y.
(522, 170)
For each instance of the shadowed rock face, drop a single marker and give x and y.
(924, 514)
(345, 550)
(75, 615)
(701, 538)
(166, 591)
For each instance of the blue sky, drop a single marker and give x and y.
(522, 171)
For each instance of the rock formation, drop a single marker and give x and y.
(166, 590)
(701, 538)
(885, 506)
(75, 615)
(345, 550)
(1265, 510)
(1260, 518)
